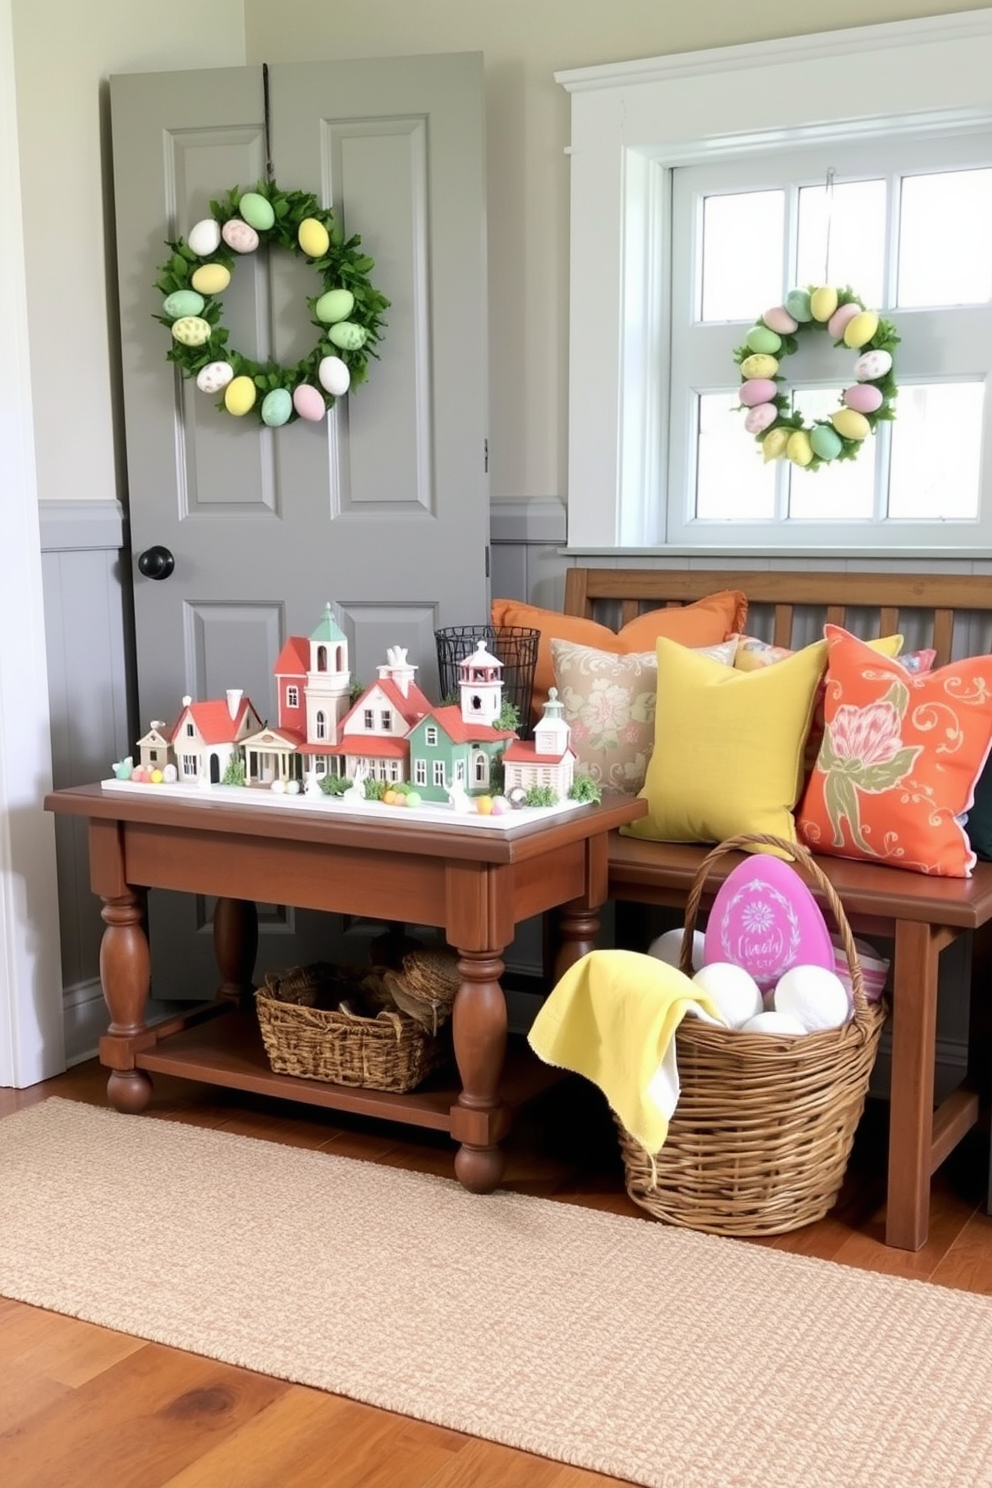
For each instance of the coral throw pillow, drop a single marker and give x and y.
(899, 760)
(704, 623)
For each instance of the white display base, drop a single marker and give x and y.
(428, 814)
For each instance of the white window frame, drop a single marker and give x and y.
(631, 124)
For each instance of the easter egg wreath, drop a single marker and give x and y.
(347, 310)
(864, 403)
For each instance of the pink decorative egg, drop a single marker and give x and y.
(778, 319)
(864, 397)
(765, 919)
(760, 417)
(239, 236)
(309, 403)
(840, 318)
(757, 390)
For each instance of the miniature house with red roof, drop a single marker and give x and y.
(375, 733)
(548, 759)
(460, 745)
(206, 737)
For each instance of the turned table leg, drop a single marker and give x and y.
(479, 1119)
(577, 927)
(125, 975)
(236, 947)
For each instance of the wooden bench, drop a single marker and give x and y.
(921, 915)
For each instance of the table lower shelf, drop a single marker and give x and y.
(227, 1050)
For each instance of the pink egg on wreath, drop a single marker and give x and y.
(841, 317)
(863, 397)
(778, 319)
(239, 236)
(309, 403)
(757, 390)
(766, 920)
(760, 418)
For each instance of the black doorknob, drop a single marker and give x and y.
(156, 563)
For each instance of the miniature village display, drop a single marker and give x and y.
(389, 747)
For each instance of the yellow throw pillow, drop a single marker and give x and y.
(728, 749)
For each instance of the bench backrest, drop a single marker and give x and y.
(950, 612)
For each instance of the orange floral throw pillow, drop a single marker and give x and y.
(899, 760)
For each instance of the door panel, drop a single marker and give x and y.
(381, 509)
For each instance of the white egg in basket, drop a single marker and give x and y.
(668, 948)
(733, 991)
(773, 1022)
(814, 995)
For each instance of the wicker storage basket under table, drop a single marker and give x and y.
(379, 1048)
(761, 1136)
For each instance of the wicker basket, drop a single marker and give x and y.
(761, 1135)
(426, 987)
(366, 1042)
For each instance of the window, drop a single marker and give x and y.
(430, 736)
(439, 773)
(386, 721)
(292, 697)
(420, 772)
(368, 719)
(700, 198)
(321, 725)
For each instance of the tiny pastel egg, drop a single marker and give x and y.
(797, 304)
(841, 318)
(760, 417)
(191, 330)
(871, 365)
(214, 376)
(239, 235)
(211, 279)
(256, 210)
(182, 302)
(757, 390)
(823, 302)
(863, 397)
(760, 338)
(204, 237)
(860, 329)
(333, 375)
(774, 444)
(239, 396)
(278, 787)
(779, 319)
(799, 450)
(313, 237)
(276, 407)
(825, 442)
(759, 365)
(335, 305)
(347, 335)
(308, 403)
(850, 424)
(413, 799)
(500, 806)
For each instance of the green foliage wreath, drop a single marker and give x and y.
(349, 318)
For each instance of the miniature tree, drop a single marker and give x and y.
(509, 716)
(584, 788)
(541, 795)
(234, 774)
(334, 785)
(374, 789)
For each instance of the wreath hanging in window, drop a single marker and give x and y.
(782, 431)
(347, 310)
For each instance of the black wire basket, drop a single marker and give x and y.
(513, 645)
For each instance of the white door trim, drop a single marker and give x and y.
(32, 1039)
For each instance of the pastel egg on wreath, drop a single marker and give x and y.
(759, 364)
(214, 377)
(239, 235)
(759, 338)
(841, 318)
(239, 396)
(334, 376)
(191, 330)
(872, 364)
(863, 397)
(347, 335)
(760, 417)
(211, 279)
(182, 302)
(335, 305)
(797, 304)
(850, 424)
(256, 210)
(757, 390)
(823, 302)
(309, 403)
(313, 237)
(277, 406)
(204, 237)
(860, 329)
(773, 446)
(778, 319)
(825, 442)
(799, 450)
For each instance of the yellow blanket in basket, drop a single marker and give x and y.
(612, 1018)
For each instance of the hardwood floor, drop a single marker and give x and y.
(84, 1407)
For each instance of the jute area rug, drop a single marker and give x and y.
(672, 1359)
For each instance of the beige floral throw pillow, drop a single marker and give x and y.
(609, 702)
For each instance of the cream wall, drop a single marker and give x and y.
(525, 42)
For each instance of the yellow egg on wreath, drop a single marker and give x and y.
(777, 426)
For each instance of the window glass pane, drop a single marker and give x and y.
(840, 491)
(945, 238)
(842, 237)
(732, 480)
(742, 254)
(933, 475)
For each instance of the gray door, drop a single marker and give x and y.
(381, 509)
